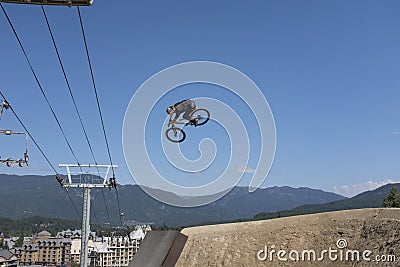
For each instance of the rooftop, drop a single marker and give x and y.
(6, 254)
(44, 233)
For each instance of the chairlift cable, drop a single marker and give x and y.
(51, 108)
(95, 90)
(74, 103)
(48, 103)
(105, 203)
(119, 206)
(39, 148)
(38, 82)
(26, 130)
(98, 106)
(73, 204)
(68, 84)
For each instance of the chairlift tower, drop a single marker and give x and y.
(87, 180)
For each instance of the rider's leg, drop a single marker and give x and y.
(186, 115)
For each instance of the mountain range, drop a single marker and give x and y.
(27, 196)
(368, 199)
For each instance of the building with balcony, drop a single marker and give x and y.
(44, 250)
(109, 251)
(8, 259)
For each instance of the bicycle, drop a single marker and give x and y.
(177, 135)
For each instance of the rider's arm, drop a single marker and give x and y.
(172, 121)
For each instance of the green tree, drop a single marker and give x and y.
(393, 199)
(19, 242)
(74, 264)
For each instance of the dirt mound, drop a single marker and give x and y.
(364, 237)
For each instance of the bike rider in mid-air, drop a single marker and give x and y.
(186, 107)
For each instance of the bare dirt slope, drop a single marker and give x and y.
(237, 244)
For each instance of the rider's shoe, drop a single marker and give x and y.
(193, 122)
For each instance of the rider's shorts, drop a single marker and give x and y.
(186, 106)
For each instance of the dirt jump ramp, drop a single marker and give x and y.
(159, 249)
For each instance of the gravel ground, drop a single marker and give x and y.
(237, 244)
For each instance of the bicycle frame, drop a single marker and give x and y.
(194, 121)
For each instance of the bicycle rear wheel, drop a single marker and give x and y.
(175, 135)
(201, 115)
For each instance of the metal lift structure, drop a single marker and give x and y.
(51, 2)
(10, 161)
(91, 178)
(78, 179)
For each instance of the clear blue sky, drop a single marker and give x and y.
(329, 69)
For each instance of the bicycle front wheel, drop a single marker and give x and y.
(201, 115)
(175, 135)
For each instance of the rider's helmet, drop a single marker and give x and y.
(170, 109)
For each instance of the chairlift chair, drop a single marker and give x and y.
(22, 161)
(10, 161)
(4, 105)
(52, 2)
